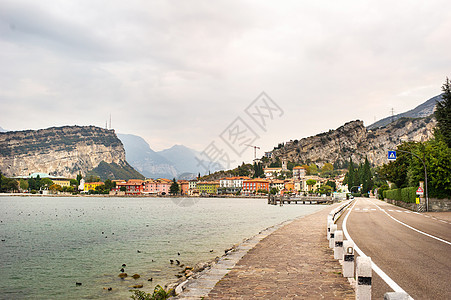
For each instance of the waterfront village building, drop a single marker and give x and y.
(184, 187)
(208, 187)
(299, 172)
(252, 186)
(91, 186)
(59, 180)
(319, 182)
(158, 186)
(272, 172)
(231, 185)
(192, 188)
(278, 184)
(289, 186)
(132, 187)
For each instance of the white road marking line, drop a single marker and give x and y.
(415, 212)
(390, 210)
(373, 209)
(407, 212)
(443, 221)
(398, 210)
(357, 209)
(393, 285)
(419, 231)
(427, 216)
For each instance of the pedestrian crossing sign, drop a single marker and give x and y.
(391, 155)
(420, 191)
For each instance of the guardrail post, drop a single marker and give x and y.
(329, 222)
(396, 296)
(338, 244)
(333, 227)
(348, 259)
(364, 278)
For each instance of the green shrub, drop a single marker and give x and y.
(406, 194)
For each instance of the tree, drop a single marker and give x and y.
(274, 191)
(109, 185)
(55, 187)
(310, 183)
(258, 170)
(332, 184)
(46, 183)
(23, 184)
(313, 169)
(174, 189)
(74, 182)
(325, 189)
(9, 185)
(351, 176)
(79, 177)
(443, 113)
(366, 181)
(327, 169)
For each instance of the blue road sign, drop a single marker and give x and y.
(391, 155)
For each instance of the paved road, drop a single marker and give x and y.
(419, 264)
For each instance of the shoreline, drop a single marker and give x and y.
(128, 196)
(204, 275)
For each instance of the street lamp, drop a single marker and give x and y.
(425, 177)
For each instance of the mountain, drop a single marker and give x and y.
(144, 159)
(64, 151)
(353, 140)
(185, 160)
(178, 161)
(423, 110)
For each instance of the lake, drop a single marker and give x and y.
(50, 243)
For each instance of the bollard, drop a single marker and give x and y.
(338, 242)
(363, 270)
(348, 259)
(329, 222)
(333, 227)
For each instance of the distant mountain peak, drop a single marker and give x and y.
(423, 110)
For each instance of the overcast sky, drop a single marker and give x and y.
(180, 72)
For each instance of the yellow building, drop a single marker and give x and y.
(208, 187)
(61, 181)
(91, 186)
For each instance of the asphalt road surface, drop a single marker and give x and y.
(419, 262)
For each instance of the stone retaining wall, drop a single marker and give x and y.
(434, 204)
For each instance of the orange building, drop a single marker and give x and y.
(254, 185)
(184, 186)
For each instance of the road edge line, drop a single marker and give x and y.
(410, 227)
(390, 282)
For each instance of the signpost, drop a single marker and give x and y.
(420, 191)
(391, 155)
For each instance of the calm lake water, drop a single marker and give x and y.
(50, 243)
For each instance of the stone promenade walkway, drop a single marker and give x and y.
(293, 262)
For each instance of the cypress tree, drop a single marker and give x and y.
(443, 113)
(366, 177)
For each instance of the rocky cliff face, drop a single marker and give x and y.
(59, 151)
(354, 140)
